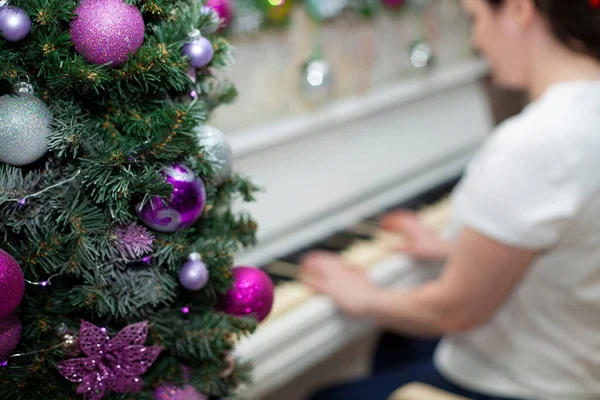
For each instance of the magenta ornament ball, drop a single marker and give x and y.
(107, 31)
(12, 284)
(251, 294)
(10, 334)
(223, 8)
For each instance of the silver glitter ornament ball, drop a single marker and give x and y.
(219, 152)
(316, 79)
(24, 128)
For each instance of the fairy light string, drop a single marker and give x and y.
(23, 200)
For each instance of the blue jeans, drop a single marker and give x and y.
(398, 360)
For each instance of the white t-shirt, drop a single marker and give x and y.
(536, 184)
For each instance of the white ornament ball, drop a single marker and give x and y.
(317, 79)
(421, 55)
(219, 151)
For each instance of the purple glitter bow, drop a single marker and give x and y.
(112, 364)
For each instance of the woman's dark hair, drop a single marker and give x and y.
(576, 23)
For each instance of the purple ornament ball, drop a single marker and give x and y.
(10, 334)
(200, 51)
(193, 275)
(224, 9)
(251, 294)
(14, 23)
(183, 209)
(172, 392)
(12, 284)
(107, 31)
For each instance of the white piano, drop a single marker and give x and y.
(330, 171)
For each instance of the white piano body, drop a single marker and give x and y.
(328, 170)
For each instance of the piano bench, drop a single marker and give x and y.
(420, 391)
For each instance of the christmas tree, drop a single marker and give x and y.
(117, 231)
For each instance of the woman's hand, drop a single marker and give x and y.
(348, 286)
(477, 279)
(420, 242)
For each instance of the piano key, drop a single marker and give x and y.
(278, 280)
(436, 216)
(433, 196)
(365, 253)
(368, 253)
(289, 293)
(389, 239)
(287, 296)
(336, 243)
(366, 229)
(282, 269)
(296, 257)
(342, 240)
(367, 245)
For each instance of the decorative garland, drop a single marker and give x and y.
(246, 17)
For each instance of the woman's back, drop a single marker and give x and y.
(536, 184)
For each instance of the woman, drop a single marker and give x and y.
(518, 302)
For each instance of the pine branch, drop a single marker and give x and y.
(70, 130)
(69, 219)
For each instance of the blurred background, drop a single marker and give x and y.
(345, 108)
(363, 45)
(308, 67)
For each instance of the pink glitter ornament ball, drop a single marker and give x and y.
(224, 9)
(12, 284)
(10, 334)
(251, 294)
(107, 31)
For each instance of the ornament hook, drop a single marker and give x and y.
(195, 257)
(23, 88)
(194, 34)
